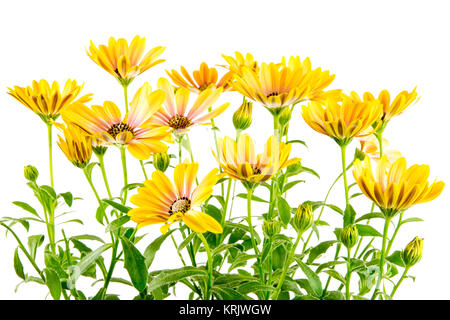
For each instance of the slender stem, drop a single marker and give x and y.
(252, 232)
(143, 169)
(366, 247)
(125, 94)
(176, 247)
(105, 177)
(50, 153)
(394, 290)
(100, 203)
(349, 275)
(286, 267)
(125, 177)
(210, 266)
(336, 255)
(344, 174)
(192, 156)
(114, 260)
(383, 251)
(180, 150)
(391, 240)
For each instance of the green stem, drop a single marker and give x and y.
(176, 247)
(336, 255)
(394, 290)
(286, 267)
(252, 233)
(344, 174)
(391, 241)
(125, 94)
(349, 275)
(50, 153)
(100, 203)
(210, 266)
(125, 177)
(114, 260)
(143, 169)
(383, 251)
(105, 177)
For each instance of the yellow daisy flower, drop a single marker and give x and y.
(123, 61)
(235, 64)
(76, 145)
(393, 108)
(396, 188)
(342, 120)
(239, 160)
(160, 201)
(175, 112)
(204, 78)
(48, 101)
(279, 85)
(106, 123)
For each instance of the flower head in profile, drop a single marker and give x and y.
(342, 120)
(236, 63)
(106, 123)
(48, 101)
(201, 79)
(160, 201)
(395, 188)
(240, 161)
(395, 107)
(76, 145)
(278, 85)
(123, 61)
(175, 112)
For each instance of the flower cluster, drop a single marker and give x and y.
(198, 215)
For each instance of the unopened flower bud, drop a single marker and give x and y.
(359, 154)
(30, 173)
(271, 228)
(303, 218)
(349, 236)
(285, 116)
(99, 147)
(413, 252)
(242, 118)
(161, 161)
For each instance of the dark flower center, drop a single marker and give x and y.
(118, 128)
(180, 205)
(179, 122)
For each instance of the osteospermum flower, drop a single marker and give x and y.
(239, 160)
(396, 188)
(279, 85)
(176, 113)
(123, 61)
(201, 79)
(160, 201)
(76, 145)
(235, 64)
(106, 123)
(395, 107)
(48, 101)
(342, 120)
(370, 146)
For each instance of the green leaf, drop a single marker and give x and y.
(319, 250)
(130, 186)
(241, 260)
(313, 278)
(336, 275)
(87, 237)
(335, 208)
(225, 293)
(53, 283)
(213, 211)
(18, 266)
(116, 224)
(186, 241)
(26, 207)
(368, 216)
(33, 243)
(175, 275)
(396, 258)
(349, 215)
(297, 141)
(289, 185)
(135, 264)
(253, 286)
(334, 295)
(254, 198)
(117, 206)
(365, 230)
(356, 195)
(68, 198)
(89, 168)
(284, 211)
(50, 191)
(411, 220)
(153, 247)
(86, 262)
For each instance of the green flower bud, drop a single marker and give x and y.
(349, 236)
(99, 147)
(285, 116)
(303, 218)
(161, 161)
(242, 118)
(271, 228)
(30, 173)
(413, 252)
(359, 154)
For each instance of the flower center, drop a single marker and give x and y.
(272, 94)
(179, 122)
(256, 171)
(118, 128)
(203, 87)
(180, 205)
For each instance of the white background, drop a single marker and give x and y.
(369, 45)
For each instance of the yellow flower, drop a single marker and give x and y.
(239, 160)
(235, 64)
(175, 112)
(122, 61)
(160, 201)
(106, 123)
(46, 101)
(396, 188)
(342, 120)
(76, 145)
(204, 78)
(391, 109)
(278, 85)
